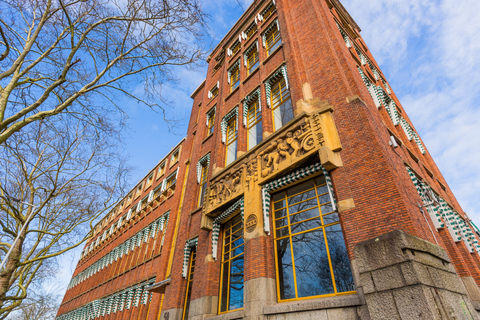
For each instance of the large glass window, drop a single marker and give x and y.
(188, 295)
(254, 125)
(252, 60)
(281, 104)
(310, 250)
(234, 77)
(211, 121)
(273, 39)
(203, 183)
(231, 141)
(231, 288)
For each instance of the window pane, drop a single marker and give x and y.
(278, 196)
(322, 190)
(326, 208)
(223, 306)
(306, 225)
(320, 180)
(311, 264)
(312, 213)
(339, 257)
(281, 223)
(236, 284)
(331, 218)
(303, 206)
(300, 188)
(231, 152)
(280, 204)
(285, 269)
(325, 198)
(287, 111)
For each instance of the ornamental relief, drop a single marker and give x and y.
(280, 151)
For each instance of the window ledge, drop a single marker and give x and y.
(272, 54)
(350, 300)
(199, 209)
(231, 58)
(232, 93)
(208, 137)
(239, 314)
(250, 75)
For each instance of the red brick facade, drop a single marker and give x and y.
(373, 173)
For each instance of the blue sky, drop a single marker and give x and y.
(428, 50)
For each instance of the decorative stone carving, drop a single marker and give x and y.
(228, 186)
(287, 148)
(281, 150)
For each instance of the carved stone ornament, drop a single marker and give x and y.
(281, 150)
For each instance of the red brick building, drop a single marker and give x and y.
(302, 189)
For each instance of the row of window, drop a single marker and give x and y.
(124, 248)
(310, 252)
(166, 184)
(161, 171)
(130, 297)
(271, 41)
(282, 113)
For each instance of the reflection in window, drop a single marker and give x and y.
(234, 77)
(203, 182)
(252, 60)
(231, 140)
(273, 39)
(210, 121)
(281, 104)
(254, 124)
(310, 250)
(231, 288)
(191, 269)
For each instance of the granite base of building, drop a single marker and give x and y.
(398, 276)
(404, 277)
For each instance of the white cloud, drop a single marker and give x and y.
(429, 53)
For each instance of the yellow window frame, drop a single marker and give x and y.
(252, 59)
(234, 78)
(272, 38)
(191, 271)
(278, 96)
(232, 134)
(203, 181)
(211, 122)
(228, 226)
(254, 116)
(322, 227)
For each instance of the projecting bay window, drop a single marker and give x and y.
(272, 38)
(231, 288)
(188, 295)
(310, 251)
(254, 124)
(280, 103)
(231, 141)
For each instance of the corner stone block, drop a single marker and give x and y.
(388, 278)
(381, 306)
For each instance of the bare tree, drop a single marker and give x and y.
(73, 173)
(78, 56)
(40, 305)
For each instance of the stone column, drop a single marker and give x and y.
(260, 287)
